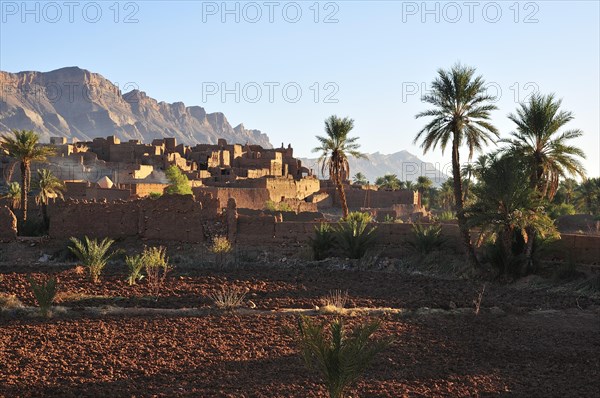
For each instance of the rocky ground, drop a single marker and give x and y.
(524, 343)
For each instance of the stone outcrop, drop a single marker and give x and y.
(76, 103)
(8, 225)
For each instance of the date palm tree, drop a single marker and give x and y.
(460, 116)
(587, 196)
(335, 148)
(409, 185)
(506, 206)
(389, 182)
(14, 195)
(538, 140)
(24, 147)
(360, 179)
(49, 186)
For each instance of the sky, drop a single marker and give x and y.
(283, 67)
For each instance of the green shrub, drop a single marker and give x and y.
(323, 241)
(135, 264)
(156, 265)
(447, 216)
(281, 206)
(155, 195)
(44, 294)
(563, 209)
(353, 235)
(427, 239)
(339, 358)
(180, 184)
(220, 247)
(93, 254)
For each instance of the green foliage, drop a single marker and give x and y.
(220, 247)
(281, 206)
(44, 294)
(156, 265)
(353, 235)
(587, 196)
(49, 186)
(323, 241)
(155, 195)
(135, 265)
(447, 216)
(389, 182)
(360, 179)
(340, 358)
(14, 195)
(562, 209)
(335, 148)
(93, 254)
(546, 153)
(427, 239)
(180, 184)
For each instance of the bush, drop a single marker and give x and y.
(281, 206)
(220, 247)
(447, 216)
(427, 239)
(135, 264)
(180, 184)
(155, 195)
(228, 298)
(157, 266)
(93, 254)
(339, 358)
(563, 209)
(353, 236)
(323, 241)
(44, 294)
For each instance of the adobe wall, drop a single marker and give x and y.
(170, 218)
(248, 198)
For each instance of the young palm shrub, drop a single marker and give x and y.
(220, 247)
(228, 297)
(353, 235)
(44, 294)
(322, 242)
(427, 239)
(157, 266)
(135, 264)
(93, 254)
(339, 358)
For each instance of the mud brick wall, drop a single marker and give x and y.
(578, 248)
(247, 198)
(169, 218)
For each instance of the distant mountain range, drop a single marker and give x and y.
(76, 103)
(404, 164)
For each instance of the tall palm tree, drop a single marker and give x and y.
(24, 147)
(446, 194)
(14, 195)
(335, 148)
(389, 182)
(409, 185)
(460, 115)
(537, 139)
(49, 187)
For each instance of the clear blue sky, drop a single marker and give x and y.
(377, 57)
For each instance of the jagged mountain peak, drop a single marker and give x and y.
(75, 103)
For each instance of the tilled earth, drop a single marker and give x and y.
(515, 353)
(229, 355)
(273, 288)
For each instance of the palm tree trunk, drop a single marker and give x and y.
(44, 207)
(343, 202)
(460, 213)
(25, 180)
